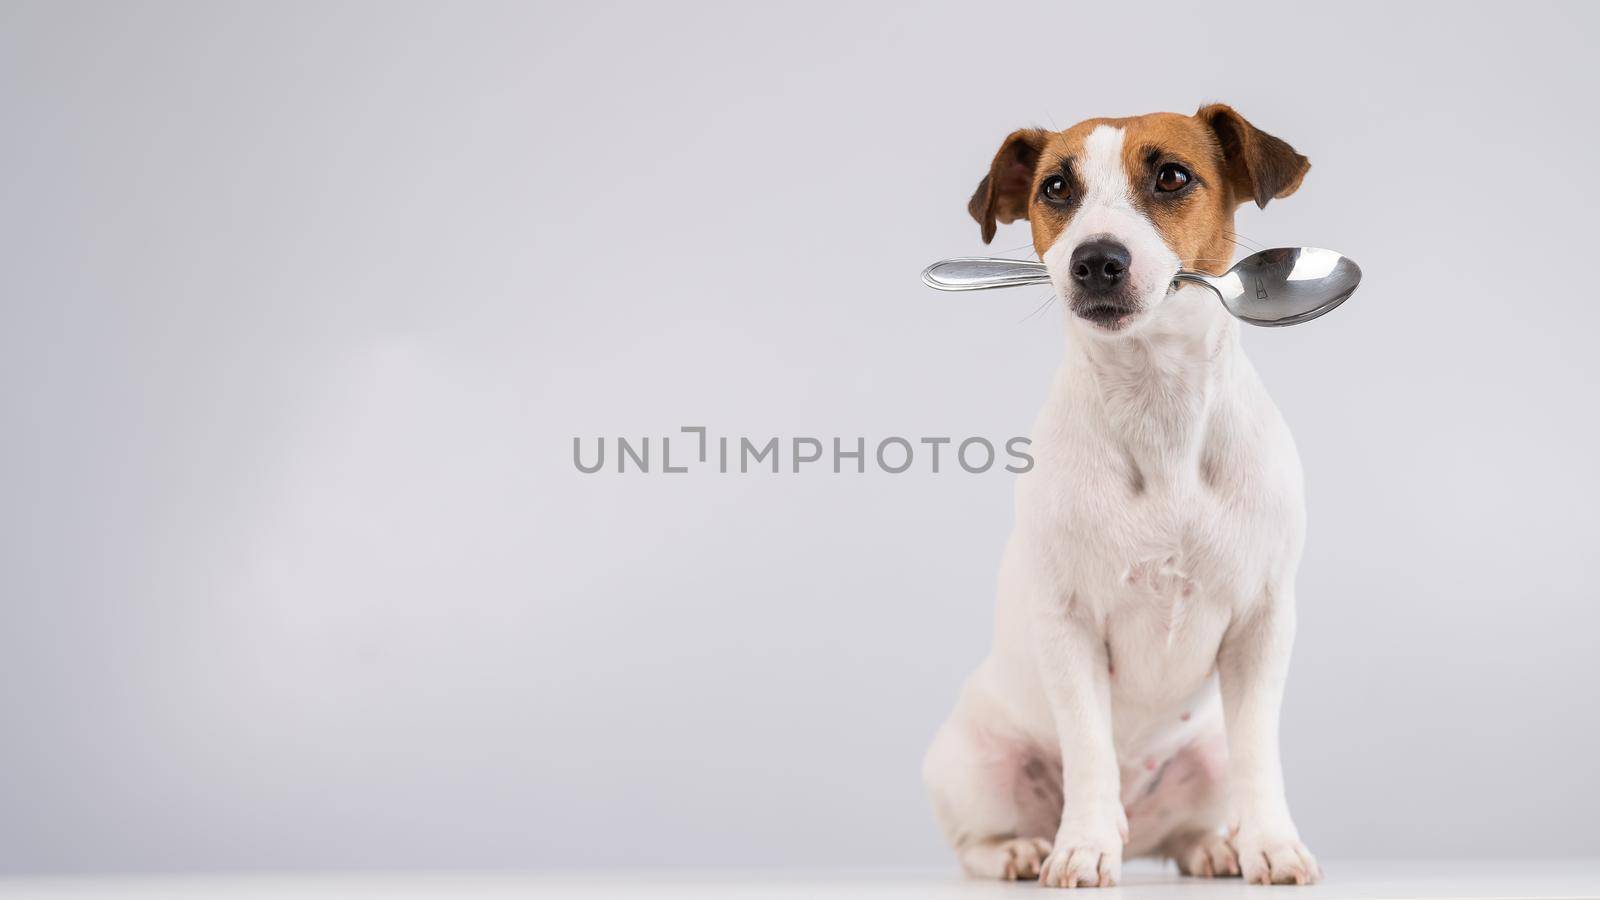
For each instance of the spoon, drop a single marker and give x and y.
(1283, 286)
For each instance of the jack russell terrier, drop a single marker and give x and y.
(1129, 706)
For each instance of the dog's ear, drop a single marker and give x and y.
(1259, 166)
(1003, 194)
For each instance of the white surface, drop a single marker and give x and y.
(1534, 879)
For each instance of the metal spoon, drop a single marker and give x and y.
(1283, 286)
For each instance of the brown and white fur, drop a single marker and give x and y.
(1129, 706)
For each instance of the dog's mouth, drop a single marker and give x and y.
(1109, 316)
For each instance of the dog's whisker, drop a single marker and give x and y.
(1049, 298)
(1241, 244)
(1230, 235)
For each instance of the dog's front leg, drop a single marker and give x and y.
(1252, 663)
(1076, 668)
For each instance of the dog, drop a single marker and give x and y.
(1129, 705)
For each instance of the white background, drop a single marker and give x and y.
(301, 306)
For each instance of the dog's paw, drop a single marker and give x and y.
(1082, 864)
(1005, 859)
(1275, 859)
(1205, 854)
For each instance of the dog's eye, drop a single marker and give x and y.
(1054, 189)
(1171, 177)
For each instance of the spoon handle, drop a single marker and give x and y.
(981, 273)
(984, 273)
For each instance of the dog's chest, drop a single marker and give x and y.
(1165, 550)
(1163, 554)
(1166, 571)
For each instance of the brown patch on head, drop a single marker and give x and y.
(1223, 161)
(1196, 218)
(1057, 160)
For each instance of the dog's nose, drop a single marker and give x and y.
(1098, 266)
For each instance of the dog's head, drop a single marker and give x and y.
(1117, 206)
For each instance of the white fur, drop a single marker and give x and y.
(1157, 533)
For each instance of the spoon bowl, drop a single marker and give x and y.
(1283, 286)
(1272, 288)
